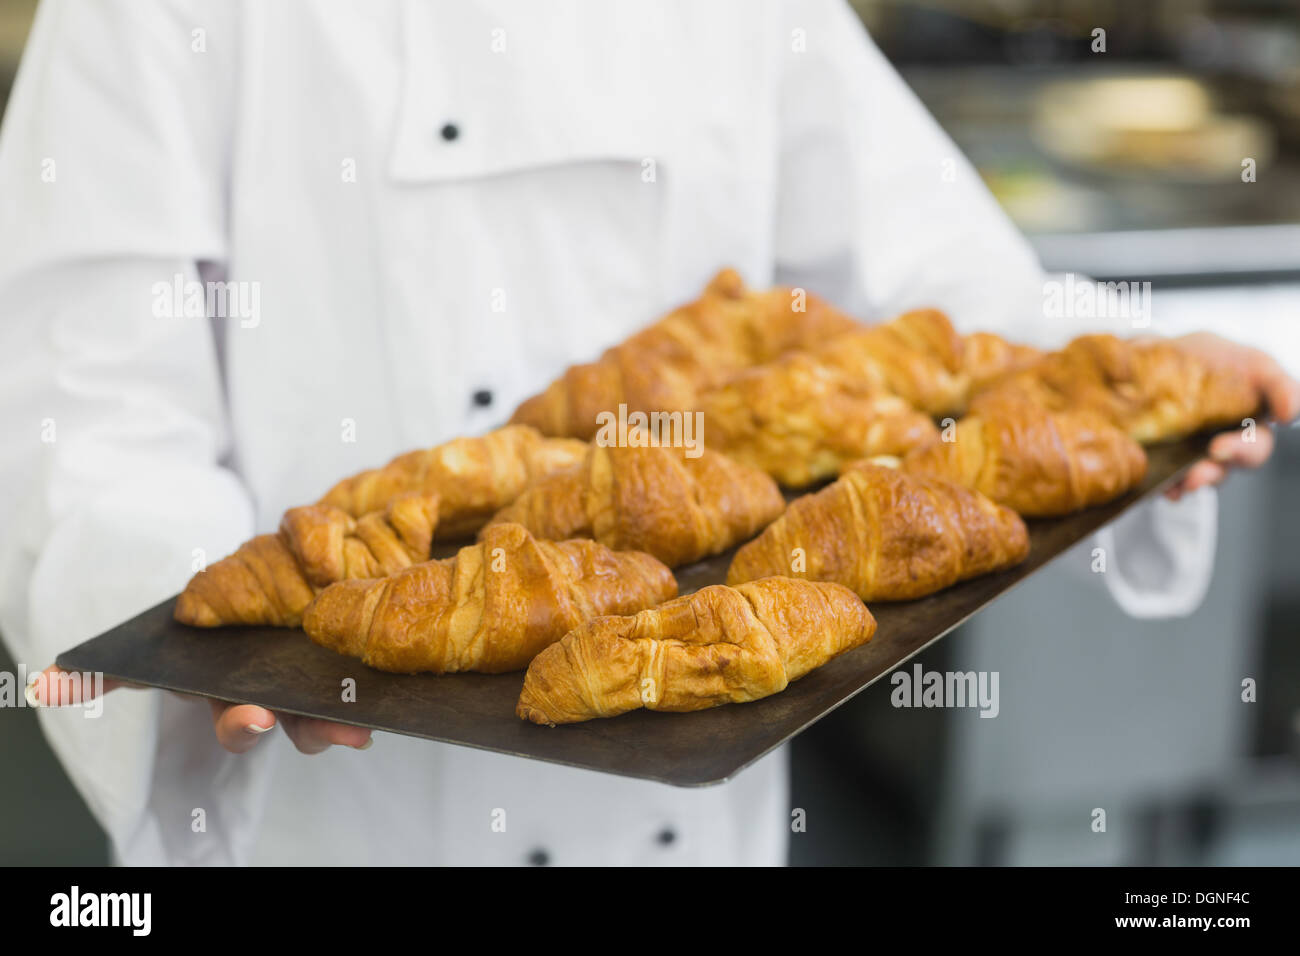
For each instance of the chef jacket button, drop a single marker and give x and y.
(539, 857)
(667, 836)
(482, 398)
(449, 132)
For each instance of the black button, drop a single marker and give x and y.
(450, 131)
(539, 857)
(667, 836)
(483, 398)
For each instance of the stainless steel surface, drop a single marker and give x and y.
(1223, 252)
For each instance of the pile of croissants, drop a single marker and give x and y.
(570, 576)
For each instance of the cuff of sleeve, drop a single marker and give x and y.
(131, 547)
(1161, 555)
(125, 550)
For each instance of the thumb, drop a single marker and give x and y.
(55, 687)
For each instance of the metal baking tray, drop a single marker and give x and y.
(284, 671)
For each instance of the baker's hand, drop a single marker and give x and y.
(1233, 449)
(238, 726)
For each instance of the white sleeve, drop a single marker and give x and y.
(879, 211)
(878, 207)
(1160, 556)
(112, 181)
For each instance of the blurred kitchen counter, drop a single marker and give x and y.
(1111, 220)
(15, 22)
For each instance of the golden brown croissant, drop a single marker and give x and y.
(666, 366)
(1036, 462)
(800, 420)
(491, 608)
(917, 356)
(271, 579)
(886, 535)
(572, 404)
(473, 477)
(652, 499)
(987, 357)
(1150, 388)
(782, 319)
(720, 645)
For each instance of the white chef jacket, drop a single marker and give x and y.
(431, 201)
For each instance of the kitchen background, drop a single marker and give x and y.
(1122, 164)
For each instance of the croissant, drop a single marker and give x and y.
(1035, 462)
(800, 420)
(720, 645)
(271, 579)
(572, 404)
(987, 357)
(886, 535)
(653, 499)
(665, 366)
(491, 608)
(472, 477)
(917, 356)
(1152, 389)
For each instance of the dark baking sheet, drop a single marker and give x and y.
(284, 671)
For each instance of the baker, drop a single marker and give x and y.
(442, 206)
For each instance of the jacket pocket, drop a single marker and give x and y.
(489, 93)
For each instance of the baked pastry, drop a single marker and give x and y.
(886, 535)
(1150, 388)
(572, 404)
(271, 579)
(491, 608)
(921, 357)
(653, 499)
(1036, 462)
(666, 366)
(800, 420)
(472, 477)
(917, 356)
(986, 358)
(720, 645)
